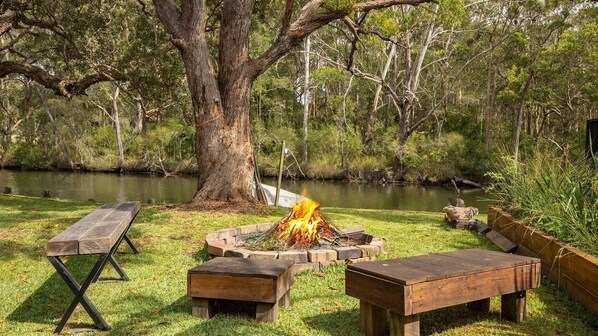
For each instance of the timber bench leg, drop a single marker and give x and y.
(266, 312)
(372, 319)
(482, 305)
(513, 306)
(202, 308)
(404, 325)
(285, 300)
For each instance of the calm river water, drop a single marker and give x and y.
(113, 187)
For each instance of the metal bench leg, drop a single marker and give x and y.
(130, 244)
(119, 270)
(79, 292)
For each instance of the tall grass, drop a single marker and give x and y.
(558, 197)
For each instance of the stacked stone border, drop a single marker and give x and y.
(223, 243)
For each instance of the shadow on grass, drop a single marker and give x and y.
(49, 302)
(346, 322)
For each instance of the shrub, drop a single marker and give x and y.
(558, 197)
(29, 155)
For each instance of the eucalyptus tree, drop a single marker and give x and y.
(416, 38)
(220, 78)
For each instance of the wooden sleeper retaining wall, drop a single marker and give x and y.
(568, 267)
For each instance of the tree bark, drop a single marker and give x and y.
(116, 120)
(374, 110)
(490, 94)
(519, 122)
(306, 96)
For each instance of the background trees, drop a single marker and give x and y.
(419, 93)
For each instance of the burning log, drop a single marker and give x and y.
(303, 228)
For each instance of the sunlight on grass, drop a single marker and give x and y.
(33, 297)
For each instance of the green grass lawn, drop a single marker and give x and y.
(33, 297)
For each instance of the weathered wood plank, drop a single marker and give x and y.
(567, 266)
(106, 232)
(439, 265)
(67, 242)
(503, 243)
(216, 286)
(384, 293)
(242, 267)
(448, 292)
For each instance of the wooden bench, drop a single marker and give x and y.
(410, 286)
(99, 233)
(265, 284)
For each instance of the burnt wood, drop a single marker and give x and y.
(410, 286)
(100, 233)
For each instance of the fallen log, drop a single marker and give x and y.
(461, 181)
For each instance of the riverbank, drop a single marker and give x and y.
(311, 172)
(154, 302)
(180, 189)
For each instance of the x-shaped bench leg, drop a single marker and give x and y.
(79, 292)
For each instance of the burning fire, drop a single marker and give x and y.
(305, 226)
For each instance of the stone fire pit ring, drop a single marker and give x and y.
(223, 243)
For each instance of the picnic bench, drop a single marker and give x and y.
(99, 233)
(410, 286)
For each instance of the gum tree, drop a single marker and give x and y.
(220, 83)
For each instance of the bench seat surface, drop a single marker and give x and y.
(407, 271)
(96, 232)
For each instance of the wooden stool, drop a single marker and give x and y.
(265, 283)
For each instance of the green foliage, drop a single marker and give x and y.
(553, 195)
(338, 5)
(29, 156)
(433, 157)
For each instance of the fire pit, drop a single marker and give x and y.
(304, 236)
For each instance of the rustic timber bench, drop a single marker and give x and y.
(99, 233)
(263, 284)
(410, 286)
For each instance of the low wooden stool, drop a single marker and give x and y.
(266, 283)
(410, 286)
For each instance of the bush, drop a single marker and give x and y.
(29, 156)
(428, 157)
(553, 195)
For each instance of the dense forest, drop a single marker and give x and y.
(403, 93)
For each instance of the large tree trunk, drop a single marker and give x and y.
(221, 108)
(221, 102)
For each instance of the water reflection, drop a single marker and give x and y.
(113, 187)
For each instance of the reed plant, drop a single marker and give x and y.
(554, 195)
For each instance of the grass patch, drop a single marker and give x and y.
(33, 297)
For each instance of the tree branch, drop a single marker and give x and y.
(312, 17)
(61, 87)
(171, 16)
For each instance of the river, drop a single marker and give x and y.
(105, 187)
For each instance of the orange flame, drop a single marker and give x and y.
(305, 225)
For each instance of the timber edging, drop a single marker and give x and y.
(566, 266)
